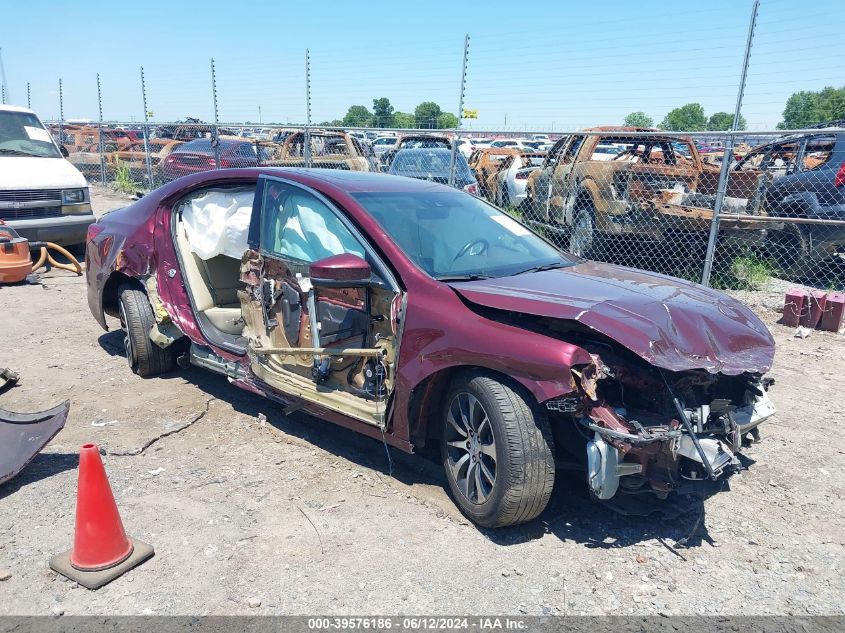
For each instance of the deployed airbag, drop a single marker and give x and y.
(217, 223)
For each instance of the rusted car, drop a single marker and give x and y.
(87, 159)
(415, 313)
(79, 138)
(486, 163)
(330, 149)
(134, 157)
(650, 190)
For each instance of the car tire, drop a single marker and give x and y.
(136, 319)
(503, 195)
(499, 454)
(791, 251)
(584, 239)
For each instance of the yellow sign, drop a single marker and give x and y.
(150, 115)
(470, 114)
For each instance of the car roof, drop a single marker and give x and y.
(223, 142)
(13, 108)
(357, 181)
(425, 150)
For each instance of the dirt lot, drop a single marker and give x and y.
(297, 516)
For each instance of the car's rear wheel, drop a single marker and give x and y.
(584, 239)
(790, 248)
(497, 451)
(503, 195)
(136, 319)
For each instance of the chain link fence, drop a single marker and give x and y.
(727, 208)
(660, 201)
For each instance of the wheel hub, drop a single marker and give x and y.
(470, 448)
(127, 341)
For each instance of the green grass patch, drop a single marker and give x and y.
(746, 272)
(123, 178)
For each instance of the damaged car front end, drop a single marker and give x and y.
(675, 386)
(652, 431)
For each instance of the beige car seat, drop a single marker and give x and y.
(214, 285)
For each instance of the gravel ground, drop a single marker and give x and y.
(296, 516)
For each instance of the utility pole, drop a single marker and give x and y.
(260, 120)
(147, 158)
(100, 132)
(722, 187)
(306, 151)
(454, 160)
(4, 87)
(215, 141)
(61, 115)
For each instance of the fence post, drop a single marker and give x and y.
(147, 159)
(100, 130)
(306, 146)
(215, 134)
(4, 87)
(61, 115)
(722, 187)
(454, 159)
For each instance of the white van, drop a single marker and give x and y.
(42, 196)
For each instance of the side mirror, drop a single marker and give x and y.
(341, 271)
(64, 151)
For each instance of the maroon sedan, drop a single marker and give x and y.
(200, 155)
(415, 313)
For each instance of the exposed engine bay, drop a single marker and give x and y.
(646, 429)
(653, 431)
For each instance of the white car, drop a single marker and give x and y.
(512, 178)
(465, 147)
(383, 143)
(523, 143)
(42, 196)
(606, 151)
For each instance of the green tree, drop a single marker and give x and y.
(723, 121)
(831, 104)
(808, 107)
(358, 116)
(687, 118)
(426, 114)
(801, 110)
(447, 120)
(404, 120)
(638, 119)
(382, 112)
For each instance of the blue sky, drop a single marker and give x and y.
(533, 65)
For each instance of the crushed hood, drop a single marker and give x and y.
(670, 323)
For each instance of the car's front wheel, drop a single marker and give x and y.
(136, 319)
(497, 451)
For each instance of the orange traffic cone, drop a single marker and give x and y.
(101, 550)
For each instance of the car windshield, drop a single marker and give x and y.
(453, 235)
(21, 134)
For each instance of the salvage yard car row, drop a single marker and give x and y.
(609, 193)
